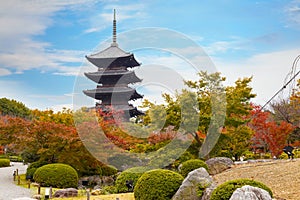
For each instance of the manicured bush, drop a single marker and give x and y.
(191, 165)
(15, 159)
(110, 189)
(225, 190)
(108, 170)
(131, 174)
(157, 184)
(33, 167)
(4, 162)
(56, 175)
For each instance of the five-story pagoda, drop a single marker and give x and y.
(115, 73)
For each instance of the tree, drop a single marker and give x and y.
(14, 108)
(289, 110)
(270, 136)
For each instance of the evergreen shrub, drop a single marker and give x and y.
(4, 162)
(191, 165)
(56, 175)
(32, 168)
(108, 170)
(157, 184)
(131, 174)
(225, 190)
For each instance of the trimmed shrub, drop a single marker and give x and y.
(32, 168)
(191, 165)
(4, 162)
(56, 175)
(225, 190)
(131, 174)
(15, 159)
(110, 189)
(157, 184)
(108, 170)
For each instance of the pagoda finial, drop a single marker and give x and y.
(114, 30)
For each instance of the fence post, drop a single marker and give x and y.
(39, 189)
(19, 180)
(88, 195)
(50, 195)
(14, 175)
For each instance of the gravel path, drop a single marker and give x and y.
(8, 190)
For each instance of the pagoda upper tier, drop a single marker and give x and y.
(113, 57)
(112, 77)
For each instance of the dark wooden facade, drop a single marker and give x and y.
(115, 72)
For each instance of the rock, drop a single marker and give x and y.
(208, 191)
(107, 180)
(97, 192)
(69, 192)
(248, 192)
(218, 165)
(189, 186)
(37, 196)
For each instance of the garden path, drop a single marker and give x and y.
(8, 190)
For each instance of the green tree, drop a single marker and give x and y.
(14, 108)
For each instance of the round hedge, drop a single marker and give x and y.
(33, 167)
(157, 184)
(132, 174)
(108, 170)
(191, 165)
(4, 162)
(56, 175)
(225, 190)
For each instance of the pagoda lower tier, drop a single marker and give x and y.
(113, 95)
(127, 110)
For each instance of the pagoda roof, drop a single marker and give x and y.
(133, 111)
(111, 52)
(125, 74)
(124, 92)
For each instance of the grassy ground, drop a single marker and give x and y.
(282, 176)
(124, 196)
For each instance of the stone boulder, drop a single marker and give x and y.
(97, 192)
(189, 186)
(218, 165)
(248, 192)
(69, 192)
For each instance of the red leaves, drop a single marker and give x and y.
(269, 135)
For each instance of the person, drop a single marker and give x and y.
(289, 151)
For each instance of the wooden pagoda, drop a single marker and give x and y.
(115, 72)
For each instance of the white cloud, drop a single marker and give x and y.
(4, 72)
(20, 22)
(123, 12)
(269, 70)
(292, 11)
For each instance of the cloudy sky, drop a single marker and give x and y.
(44, 43)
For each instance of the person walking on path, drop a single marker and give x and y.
(8, 189)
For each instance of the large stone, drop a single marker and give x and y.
(248, 192)
(69, 192)
(189, 186)
(218, 165)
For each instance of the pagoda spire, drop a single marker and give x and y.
(114, 43)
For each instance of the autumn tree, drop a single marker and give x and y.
(217, 107)
(269, 135)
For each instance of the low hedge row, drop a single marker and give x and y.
(4, 162)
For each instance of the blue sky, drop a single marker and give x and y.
(43, 43)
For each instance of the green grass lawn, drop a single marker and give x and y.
(82, 193)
